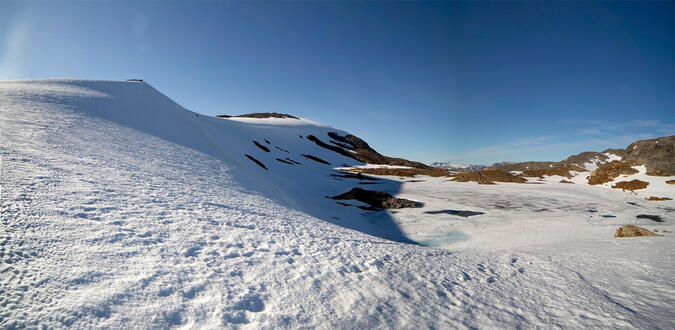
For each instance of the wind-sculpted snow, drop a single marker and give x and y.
(116, 218)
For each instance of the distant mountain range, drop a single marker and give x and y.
(656, 153)
(466, 167)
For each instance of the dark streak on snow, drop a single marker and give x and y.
(316, 159)
(461, 213)
(261, 146)
(256, 161)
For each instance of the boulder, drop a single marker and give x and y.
(633, 231)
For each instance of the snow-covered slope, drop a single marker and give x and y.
(122, 209)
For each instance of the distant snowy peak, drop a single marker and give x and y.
(449, 165)
(465, 167)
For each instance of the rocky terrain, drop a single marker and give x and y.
(260, 115)
(657, 154)
(363, 152)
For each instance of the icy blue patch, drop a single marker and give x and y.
(447, 238)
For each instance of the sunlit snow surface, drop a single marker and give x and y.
(122, 209)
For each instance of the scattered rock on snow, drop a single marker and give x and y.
(265, 149)
(316, 159)
(631, 185)
(652, 198)
(633, 231)
(256, 161)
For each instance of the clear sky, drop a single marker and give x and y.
(473, 82)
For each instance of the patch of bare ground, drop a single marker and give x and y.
(633, 231)
(377, 199)
(670, 182)
(403, 172)
(565, 181)
(556, 170)
(652, 198)
(488, 177)
(631, 185)
(609, 171)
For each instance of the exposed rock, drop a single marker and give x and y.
(256, 161)
(377, 199)
(265, 149)
(619, 152)
(488, 177)
(266, 115)
(670, 181)
(609, 171)
(631, 185)
(633, 231)
(565, 181)
(316, 159)
(658, 154)
(556, 170)
(349, 175)
(405, 172)
(655, 172)
(579, 160)
(337, 149)
(366, 154)
(285, 161)
(652, 198)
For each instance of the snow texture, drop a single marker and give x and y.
(121, 209)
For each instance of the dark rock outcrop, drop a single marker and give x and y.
(377, 199)
(260, 115)
(657, 154)
(366, 154)
(266, 115)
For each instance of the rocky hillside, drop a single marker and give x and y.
(361, 151)
(657, 154)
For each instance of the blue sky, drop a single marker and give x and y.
(474, 82)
